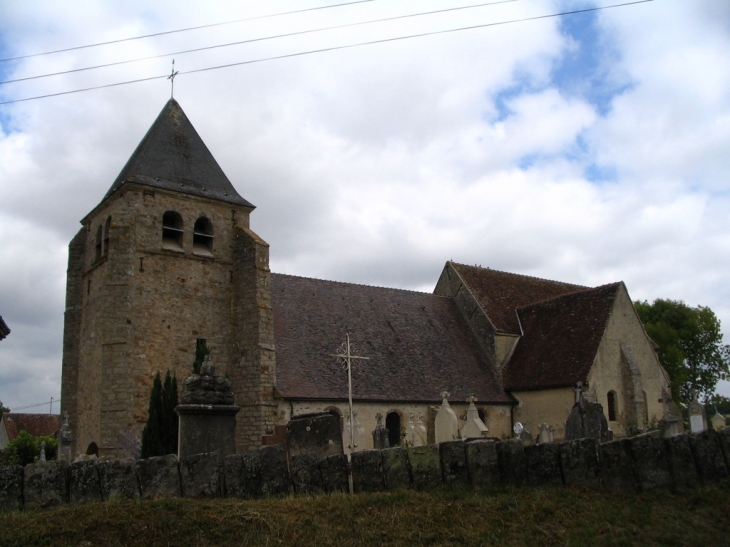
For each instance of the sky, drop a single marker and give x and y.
(589, 148)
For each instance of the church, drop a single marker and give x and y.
(167, 261)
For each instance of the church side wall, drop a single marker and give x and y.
(638, 395)
(544, 406)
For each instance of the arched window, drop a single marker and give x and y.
(172, 231)
(611, 406)
(392, 423)
(105, 244)
(203, 236)
(97, 246)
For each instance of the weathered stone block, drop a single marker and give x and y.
(425, 467)
(200, 476)
(367, 471)
(651, 462)
(708, 456)
(681, 464)
(617, 467)
(724, 436)
(266, 472)
(512, 462)
(579, 463)
(395, 468)
(455, 474)
(234, 481)
(334, 470)
(159, 477)
(45, 484)
(83, 482)
(543, 465)
(118, 479)
(304, 473)
(11, 487)
(482, 463)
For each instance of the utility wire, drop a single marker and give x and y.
(334, 48)
(287, 35)
(36, 405)
(182, 30)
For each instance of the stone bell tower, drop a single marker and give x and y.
(165, 260)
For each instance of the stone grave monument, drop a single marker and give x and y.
(671, 423)
(65, 440)
(446, 423)
(380, 435)
(207, 415)
(697, 418)
(718, 421)
(586, 420)
(318, 432)
(474, 427)
(545, 433)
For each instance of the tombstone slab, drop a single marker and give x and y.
(234, 481)
(318, 432)
(681, 464)
(512, 462)
(617, 467)
(708, 456)
(543, 465)
(11, 487)
(651, 462)
(200, 476)
(119, 479)
(455, 474)
(367, 471)
(579, 463)
(45, 484)
(425, 466)
(482, 463)
(84, 485)
(304, 473)
(334, 470)
(395, 468)
(265, 472)
(159, 477)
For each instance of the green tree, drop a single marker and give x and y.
(3, 409)
(690, 346)
(159, 436)
(26, 448)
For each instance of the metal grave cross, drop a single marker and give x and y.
(345, 355)
(171, 77)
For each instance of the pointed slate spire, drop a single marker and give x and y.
(172, 156)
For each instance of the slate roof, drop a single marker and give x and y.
(172, 156)
(499, 293)
(561, 339)
(35, 424)
(418, 344)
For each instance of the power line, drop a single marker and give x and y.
(287, 35)
(182, 30)
(36, 405)
(335, 48)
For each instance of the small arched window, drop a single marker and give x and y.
(105, 243)
(611, 406)
(172, 231)
(203, 236)
(392, 423)
(97, 245)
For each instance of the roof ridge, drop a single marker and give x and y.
(521, 275)
(359, 284)
(585, 290)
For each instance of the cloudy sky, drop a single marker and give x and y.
(590, 148)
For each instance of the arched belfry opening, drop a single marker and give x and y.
(203, 236)
(172, 231)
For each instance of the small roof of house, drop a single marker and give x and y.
(561, 339)
(4, 329)
(35, 424)
(418, 344)
(172, 156)
(499, 293)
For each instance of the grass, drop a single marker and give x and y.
(508, 517)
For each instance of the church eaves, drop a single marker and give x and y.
(172, 156)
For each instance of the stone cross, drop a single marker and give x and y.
(578, 391)
(345, 355)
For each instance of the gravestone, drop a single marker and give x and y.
(482, 463)
(359, 436)
(65, 440)
(474, 427)
(318, 432)
(587, 421)
(395, 468)
(159, 477)
(671, 423)
(446, 424)
(421, 433)
(207, 415)
(697, 418)
(718, 421)
(380, 435)
(545, 433)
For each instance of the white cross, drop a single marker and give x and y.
(345, 354)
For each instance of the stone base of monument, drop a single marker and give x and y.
(206, 428)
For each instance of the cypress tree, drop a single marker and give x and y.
(151, 435)
(159, 436)
(169, 416)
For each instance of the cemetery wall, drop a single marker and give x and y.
(630, 465)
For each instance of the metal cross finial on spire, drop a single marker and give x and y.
(171, 77)
(345, 355)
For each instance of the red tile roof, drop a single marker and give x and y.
(418, 344)
(35, 424)
(499, 293)
(561, 339)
